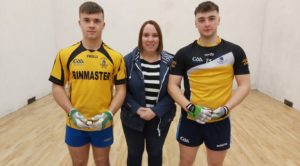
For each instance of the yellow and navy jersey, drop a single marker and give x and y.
(89, 76)
(208, 72)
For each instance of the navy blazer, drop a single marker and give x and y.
(135, 96)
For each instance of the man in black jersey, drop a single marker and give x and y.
(208, 67)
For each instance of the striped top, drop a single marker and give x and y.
(151, 81)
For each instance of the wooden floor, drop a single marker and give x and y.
(264, 132)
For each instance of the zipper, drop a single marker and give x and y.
(131, 69)
(162, 84)
(140, 70)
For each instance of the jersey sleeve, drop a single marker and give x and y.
(120, 71)
(58, 74)
(240, 65)
(177, 65)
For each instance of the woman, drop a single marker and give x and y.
(148, 109)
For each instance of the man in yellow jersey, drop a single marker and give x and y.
(90, 70)
(208, 67)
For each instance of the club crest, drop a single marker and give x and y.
(103, 62)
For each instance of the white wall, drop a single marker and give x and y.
(123, 20)
(242, 24)
(239, 24)
(32, 33)
(279, 63)
(27, 41)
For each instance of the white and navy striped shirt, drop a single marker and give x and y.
(151, 81)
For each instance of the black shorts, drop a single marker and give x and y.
(216, 135)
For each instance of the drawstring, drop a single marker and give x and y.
(132, 63)
(158, 127)
(131, 69)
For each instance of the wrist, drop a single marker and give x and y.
(226, 110)
(190, 107)
(110, 112)
(72, 111)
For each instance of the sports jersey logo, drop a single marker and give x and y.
(197, 59)
(209, 54)
(78, 62)
(221, 145)
(91, 75)
(103, 63)
(173, 64)
(92, 56)
(184, 139)
(245, 61)
(107, 139)
(220, 60)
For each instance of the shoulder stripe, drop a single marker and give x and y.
(63, 72)
(77, 51)
(105, 53)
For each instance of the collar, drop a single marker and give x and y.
(219, 40)
(165, 56)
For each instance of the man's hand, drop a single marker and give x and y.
(220, 112)
(101, 120)
(198, 113)
(78, 119)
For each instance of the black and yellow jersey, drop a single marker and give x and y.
(89, 76)
(208, 72)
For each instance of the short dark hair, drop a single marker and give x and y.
(155, 24)
(206, 7)
(90, 7)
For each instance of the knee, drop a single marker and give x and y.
(132, 157)
(135, 152)
(215, 163)
(186, 161)
(154, 152)
(79, 162)
(101, 161)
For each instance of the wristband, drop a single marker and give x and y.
(190, 107)
(226, 110)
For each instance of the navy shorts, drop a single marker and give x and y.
(100, 139)
(216, 135)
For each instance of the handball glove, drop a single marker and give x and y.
(77, 118)
(198, 113)
(101, 120)
(220, 112)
